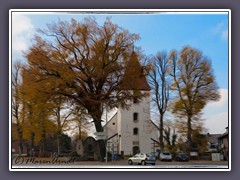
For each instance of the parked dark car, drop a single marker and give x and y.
(181, 157)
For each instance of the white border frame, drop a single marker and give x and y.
(120, 11)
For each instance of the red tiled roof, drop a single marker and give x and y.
(134, 63)
(144, 84)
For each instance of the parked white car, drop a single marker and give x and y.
(165, 156)
(142, 158)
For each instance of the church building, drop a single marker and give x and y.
(131, 131)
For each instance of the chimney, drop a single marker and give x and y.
(226, 129)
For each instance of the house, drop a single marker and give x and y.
(88, 149)
(131, 131)
(212, 142)
(223, 145)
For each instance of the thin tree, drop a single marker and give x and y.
(17, 104)
(159, 81)
(61, 116)
(81, 118)
(170, 135)
(194, 84)
(86, 62)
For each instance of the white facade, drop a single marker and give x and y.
(130, 131)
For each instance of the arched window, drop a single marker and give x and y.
(135, 117)
(135, 100)
(135, 131)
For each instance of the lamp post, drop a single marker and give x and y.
(106, 135)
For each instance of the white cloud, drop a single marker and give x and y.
(216, 124)
(218, 28)
(22, 32)
(216, 114)
(224, 34)
(221, 30)
(222, 102)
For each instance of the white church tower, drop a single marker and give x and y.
(131, 131)
(133, 128)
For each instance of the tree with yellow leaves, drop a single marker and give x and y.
(17, 118)
(194, 85)
(86, 62)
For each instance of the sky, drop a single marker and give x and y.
(158, 32)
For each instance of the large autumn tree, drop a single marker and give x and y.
(85, 62)
(194, 84)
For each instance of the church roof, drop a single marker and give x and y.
(213, 138)
(223, 135)
(115, 114)
(144, 84)
(134, 68)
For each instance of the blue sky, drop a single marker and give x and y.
(158, 32)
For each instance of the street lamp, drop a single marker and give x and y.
(106, 135)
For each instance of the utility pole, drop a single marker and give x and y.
(106, 135)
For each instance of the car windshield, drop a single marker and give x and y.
(182, 154)
(149, 155)
(166, 153)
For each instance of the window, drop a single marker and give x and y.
(90, 147)
(135, 117)
(136, 150)
(141, 155)
(135, 100)
(135, 131)
(135, 143)
(213, 146)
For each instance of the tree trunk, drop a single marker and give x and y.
(161, 133)
(43, 141)
(59, 143)
(189, 133)
(28, 148)
(20, 139)
(32, 143)
(59, 129)
(102, 143)
(80, 131)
